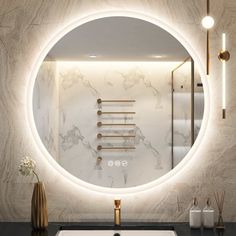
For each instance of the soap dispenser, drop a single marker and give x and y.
(208, 215)
(195, 213)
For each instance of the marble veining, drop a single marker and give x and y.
(46, 106)
(136, 76)
(79, 85)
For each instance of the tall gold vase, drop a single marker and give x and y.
(39, 211)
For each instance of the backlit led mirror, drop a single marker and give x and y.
(118, 102)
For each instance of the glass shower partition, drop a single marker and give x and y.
(187, 109)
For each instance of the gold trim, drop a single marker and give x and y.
(208, 53)
(208, 7)
(185, 60)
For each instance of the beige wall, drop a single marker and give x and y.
(26, 27)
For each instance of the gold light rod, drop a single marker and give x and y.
(208, 53)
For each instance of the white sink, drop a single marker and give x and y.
(116, 233)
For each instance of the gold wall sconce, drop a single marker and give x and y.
(224, 56)
(208, 22)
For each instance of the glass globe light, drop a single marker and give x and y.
(208, 22)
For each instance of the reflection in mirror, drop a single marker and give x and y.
(113, 102)
(187, 109)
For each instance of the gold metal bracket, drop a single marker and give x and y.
(224, 55)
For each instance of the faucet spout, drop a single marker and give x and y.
(117, 212)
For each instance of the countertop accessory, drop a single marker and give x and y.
(195, 215)
(39, 213)
(219, 198)
(208, 215)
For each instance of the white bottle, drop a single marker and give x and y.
(208, 215)
(195, 215)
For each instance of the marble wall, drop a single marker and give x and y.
(26, 27)
(79, 85)
(46, 106)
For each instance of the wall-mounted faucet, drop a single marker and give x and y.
(117, 212)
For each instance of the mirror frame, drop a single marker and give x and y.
(29, 101)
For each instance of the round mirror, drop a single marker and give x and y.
(118, 102)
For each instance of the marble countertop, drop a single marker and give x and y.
(182, 229)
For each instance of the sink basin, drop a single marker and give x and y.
(111, 230)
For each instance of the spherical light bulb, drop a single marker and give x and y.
(208, 22)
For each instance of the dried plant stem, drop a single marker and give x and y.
(36, 175)
(219, 198)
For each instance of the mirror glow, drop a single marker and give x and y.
(65, 112)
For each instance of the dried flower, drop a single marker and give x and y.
(27, 167)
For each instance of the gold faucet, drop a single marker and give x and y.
(117, 210)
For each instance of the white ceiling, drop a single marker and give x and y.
(118, 39)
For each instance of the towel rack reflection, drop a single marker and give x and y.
(99, 124)
(100, 147)
(99, 112)
(99, 100)
(114, 136)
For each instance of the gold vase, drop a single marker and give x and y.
(39, 211)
